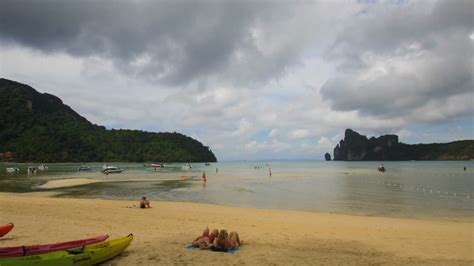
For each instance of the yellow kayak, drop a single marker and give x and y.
(85, 255)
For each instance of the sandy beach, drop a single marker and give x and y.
(271, 236)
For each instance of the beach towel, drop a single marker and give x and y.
(231, 251)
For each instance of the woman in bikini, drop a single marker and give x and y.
(206, 239)
(234, 239)
(225, 241)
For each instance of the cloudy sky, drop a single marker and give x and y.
(252, 79)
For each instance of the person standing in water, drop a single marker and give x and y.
(204, 177)
(270, 171)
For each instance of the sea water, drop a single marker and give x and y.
(416, 189)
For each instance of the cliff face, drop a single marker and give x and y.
(355, 147)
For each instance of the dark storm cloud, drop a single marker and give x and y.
(174, 42)
(397, 59)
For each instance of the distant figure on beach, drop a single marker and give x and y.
(464, 168)
(381, 168)
(217, 170)
(225, 241)
(205, 240)
(270, 171)
(144, 203)
(204, 177)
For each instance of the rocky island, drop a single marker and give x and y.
(356, 147)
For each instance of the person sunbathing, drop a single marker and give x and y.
(205, 240)
(234, 239)
(225, 241)
(144, 203)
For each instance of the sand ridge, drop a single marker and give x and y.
(68, 182)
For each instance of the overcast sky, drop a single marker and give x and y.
(252, 79)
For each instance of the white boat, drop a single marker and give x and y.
(187, 167)
(157, 165)
(42, 167)
(13, 170)
(112, 170)
(32, 170)
(83, 168)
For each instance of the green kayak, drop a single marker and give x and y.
(85, 255)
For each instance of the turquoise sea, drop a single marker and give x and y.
(416, 189)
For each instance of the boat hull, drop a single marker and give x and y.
(12, 170)
(10, 252)
(112, 171)
(6, 228)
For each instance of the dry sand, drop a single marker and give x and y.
(272, 236)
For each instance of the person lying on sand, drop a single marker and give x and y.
(206, 239)
(144, 203)
(225, 241)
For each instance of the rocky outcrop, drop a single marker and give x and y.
(327, 156)
(356, 147)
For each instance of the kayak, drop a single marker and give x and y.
(9, 252)
(86, 255)
(5, 229)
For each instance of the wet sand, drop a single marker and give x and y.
(271, 236)
(69, 182)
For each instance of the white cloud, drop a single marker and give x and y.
(404, 133)
(273, 133)
(300, 134)
(326, 143)
(280, 81)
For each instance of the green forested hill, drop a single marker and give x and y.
(39, 127)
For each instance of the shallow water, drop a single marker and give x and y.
(428, 189)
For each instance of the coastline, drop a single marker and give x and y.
(272, 236)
